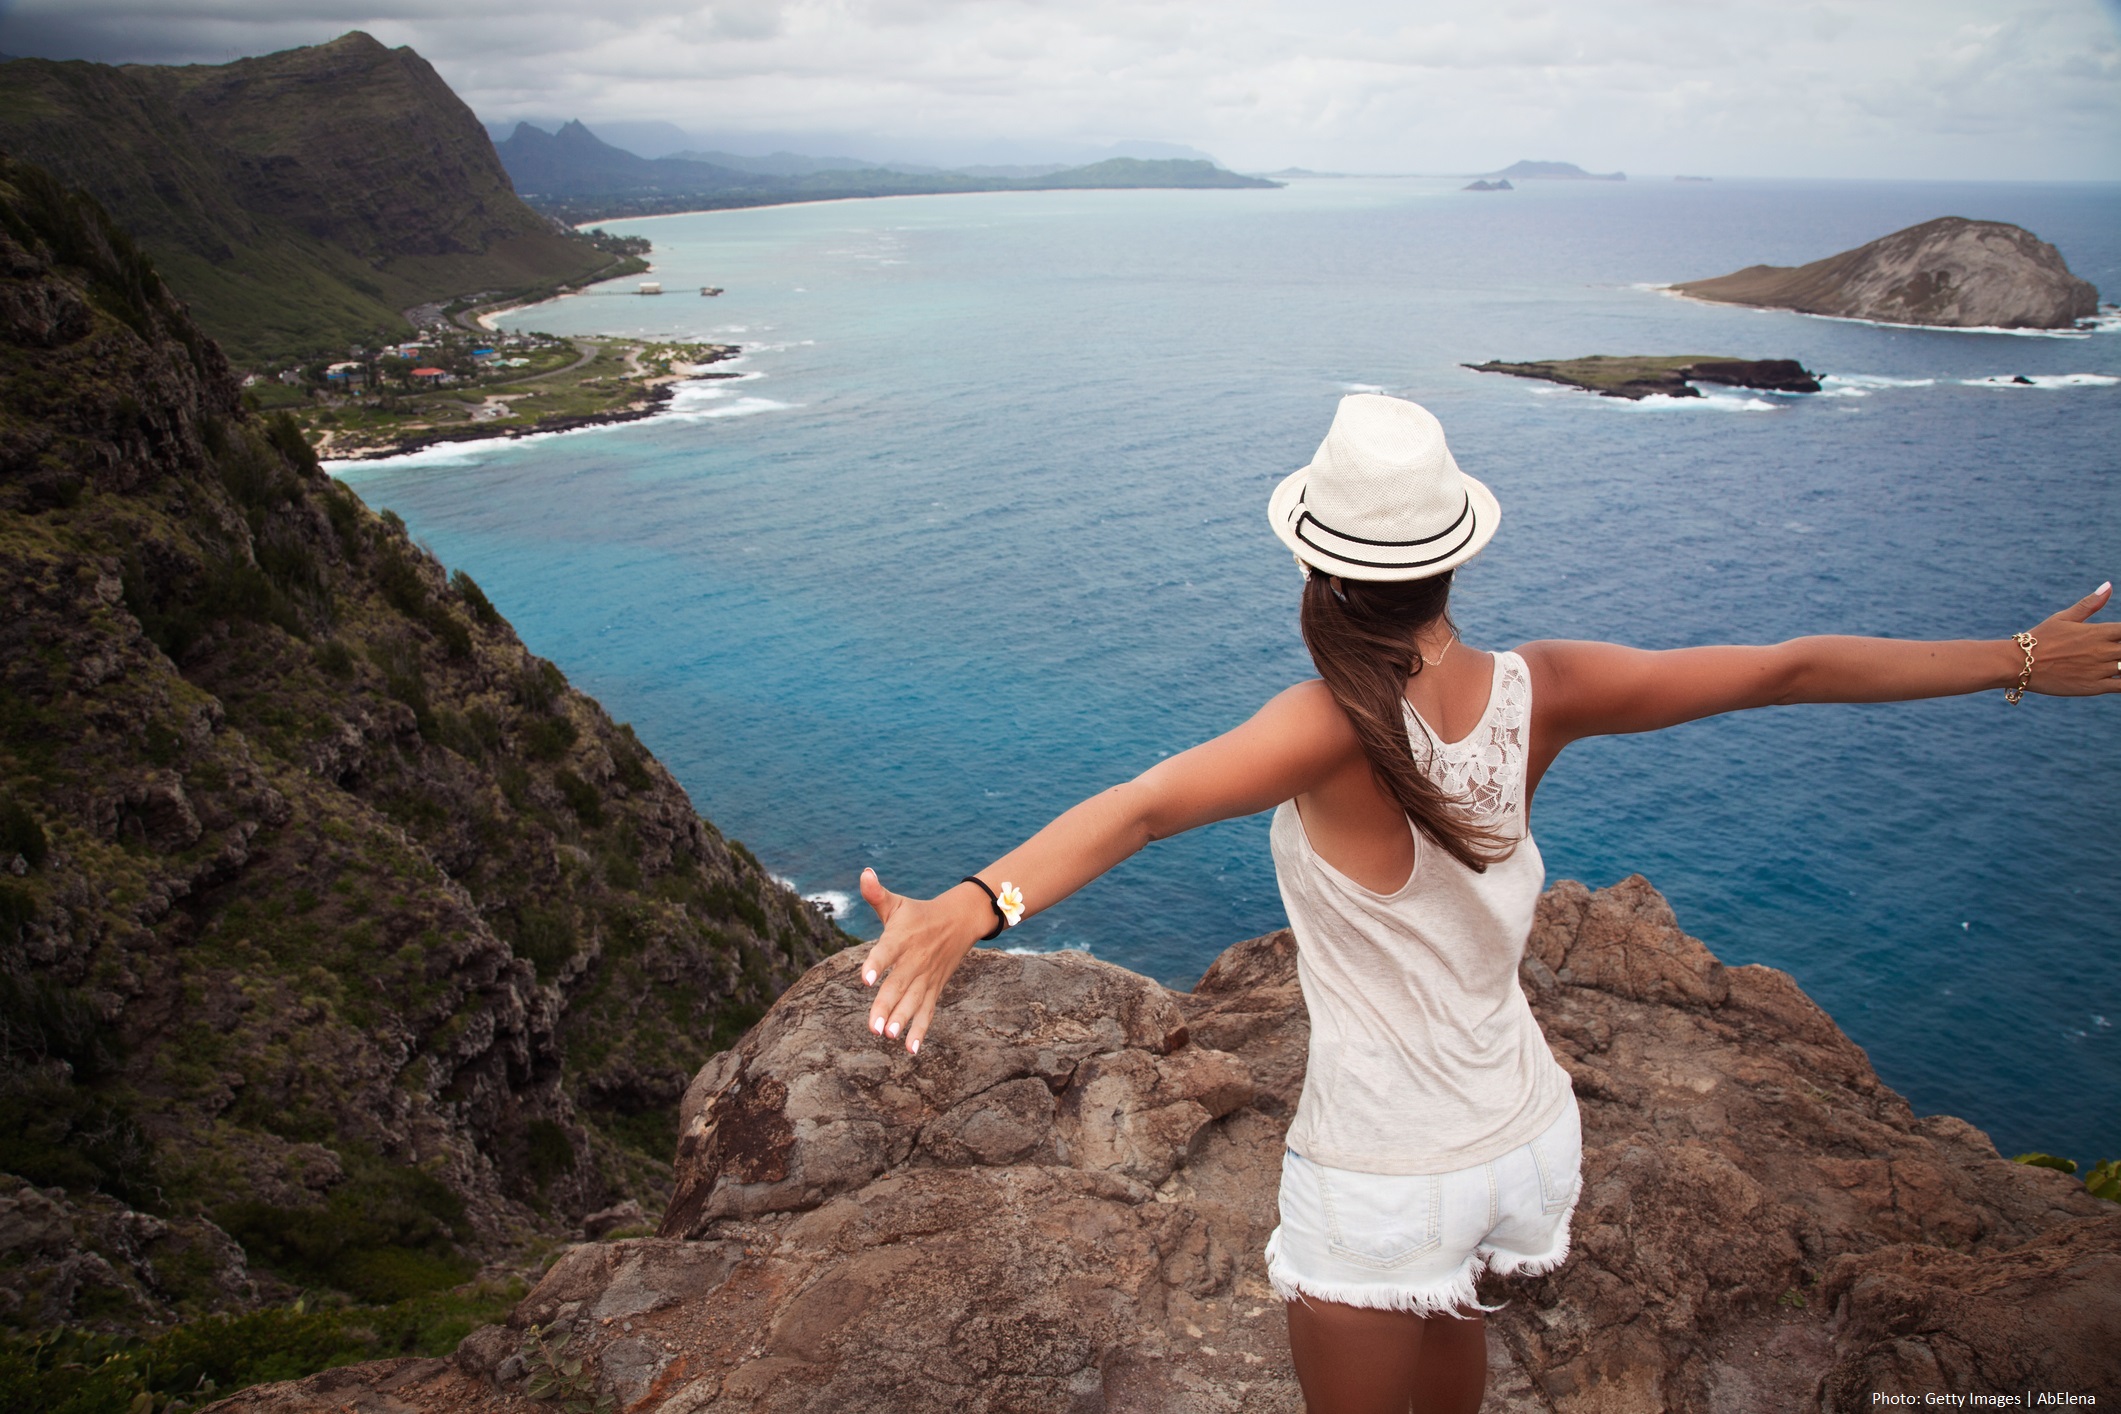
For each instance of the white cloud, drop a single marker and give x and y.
(1976, 88)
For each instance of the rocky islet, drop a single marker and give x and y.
(1951, 272)
(1640, 376)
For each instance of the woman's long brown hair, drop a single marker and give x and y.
(1361, 636)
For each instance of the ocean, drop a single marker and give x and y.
(981, 531)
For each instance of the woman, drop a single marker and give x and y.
(1436, 1136)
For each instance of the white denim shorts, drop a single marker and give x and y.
(1419, 1242)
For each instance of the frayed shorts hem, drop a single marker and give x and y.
(1455, 1295)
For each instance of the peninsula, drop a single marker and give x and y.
(1951, 273)
(1639, 376)
(575, 177)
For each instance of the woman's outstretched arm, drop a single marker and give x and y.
(1602, 689)
(1287, 747)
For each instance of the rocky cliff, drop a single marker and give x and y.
(1950, 272)
(342, 944)
(1060, 1206)
(297, 201)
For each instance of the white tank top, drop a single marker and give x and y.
(1425, 1056)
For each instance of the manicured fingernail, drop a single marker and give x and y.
(892, 1029)
(2104, 587)
(913, 1047)
(869, 976)
(876, 1024)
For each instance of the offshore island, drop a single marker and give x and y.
(1950, 273)
(1661, 376)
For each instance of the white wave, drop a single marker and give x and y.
(1361, 388)
(735, 407)
(2106, 321)
(1044, 952)
(835, 902)
(2043, 380)
(695, 401)
(1877, 380)
(1862, 385)
(1708, 402)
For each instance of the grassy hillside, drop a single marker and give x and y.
(343, 946)
(298, 202)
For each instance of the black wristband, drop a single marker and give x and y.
(1001, 919)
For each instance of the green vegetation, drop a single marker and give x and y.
(525, 382)
(410, 948)
(76, 1371)
(327, 245)
(557, 1377)
(387, 1232)
(2101, 1180)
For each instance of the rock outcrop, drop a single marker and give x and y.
(1060, 1206)
(1950, 272)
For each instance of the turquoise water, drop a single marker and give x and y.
(982, 531)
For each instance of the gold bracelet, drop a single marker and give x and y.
(2025, 675)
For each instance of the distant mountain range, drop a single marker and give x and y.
(849, 151)
(576, 176)
(299, 201)
(1552, 172)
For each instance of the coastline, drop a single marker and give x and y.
(657, 394)
(880, 196)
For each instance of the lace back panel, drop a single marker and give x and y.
(1485, 770)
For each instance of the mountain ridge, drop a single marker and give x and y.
(576, 176)
(298, 201)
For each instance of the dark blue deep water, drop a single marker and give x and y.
(985, 533)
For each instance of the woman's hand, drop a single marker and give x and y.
(2075, 658)
(924, 941)
(1287, 747)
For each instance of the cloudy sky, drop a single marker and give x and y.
(1853, 88)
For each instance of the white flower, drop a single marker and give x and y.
(1011, 900)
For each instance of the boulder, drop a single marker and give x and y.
(1950, 272)
(1060, 1206)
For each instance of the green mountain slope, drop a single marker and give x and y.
(331, 920)
(299, 201)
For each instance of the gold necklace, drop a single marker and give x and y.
(1437, 661)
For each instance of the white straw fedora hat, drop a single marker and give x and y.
(1383, 499)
